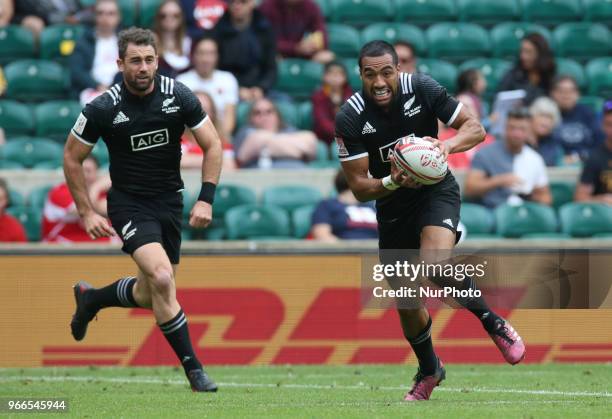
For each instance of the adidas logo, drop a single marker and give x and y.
(449, 222)
(368, 129)
(120, 118)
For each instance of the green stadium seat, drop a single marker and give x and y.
(344, 40)
(100, 152)
(325, 8)
(562, 193)
(392, 32)
(352, 68)
(582, 40)
(552, 12)
(147, 10)
(128, 10)
(290, 197)
(599, 72)
(580, 219)
(16, 199)
(30, 151)
(15, 118)
(31, 220)
(488, 12)
(598, 11)
(49, 164)
(478, 220)
(527, 218)
(569, 67)
(322, 157)
(16, 43)
(58, 41)
(38, 196)
(457, 41)
(54, 119)
(493, 70)
(443, 72)
(289, 112)
(302, 221)
(228, 196)
(299, 78)
(35, 80)
(360, 12)
(305, 112)
(10, 165)
(593, 102)
(425, 12)
(256, 222)
(506, 37)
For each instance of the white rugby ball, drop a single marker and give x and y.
(419, 159)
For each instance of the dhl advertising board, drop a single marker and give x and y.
(264, 309)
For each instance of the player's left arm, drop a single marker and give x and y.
(470, 133)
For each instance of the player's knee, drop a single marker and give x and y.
(161, 280)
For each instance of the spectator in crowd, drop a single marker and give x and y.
(173, 44)
(326, 101)
(247, 48)
(222, 86)
(11, 229)
(344, 217)
(596, 179)
(545, 118)
(202, 15)
(36, 14)
(507, 170)
(533, 71)
(579, 132)
(267, 142)
(300, 29)
(7, 10)
(406, 56)
(93, 64)
(192, 153)
(471, 85)
(61, 222)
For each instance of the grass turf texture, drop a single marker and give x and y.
(524, 391)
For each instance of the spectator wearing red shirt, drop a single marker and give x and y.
(300, 29)
(326, 101)
(202, 15)
(11, 229)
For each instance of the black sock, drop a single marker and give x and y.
(423, 349)
(117, 294)
(177, 335)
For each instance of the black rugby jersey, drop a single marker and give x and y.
(143, 134)
(364, 129)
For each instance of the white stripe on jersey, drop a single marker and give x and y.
(355, 157)
(454, 116)
(353, 105)
(403, 82)
(112, 95)
(171, 86)
(410, 83)
(162, 84)
(360, 100)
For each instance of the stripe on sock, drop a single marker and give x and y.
(178, 321)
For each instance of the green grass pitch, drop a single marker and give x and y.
(470, 391)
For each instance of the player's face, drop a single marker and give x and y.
(379, 77)
(139, 66)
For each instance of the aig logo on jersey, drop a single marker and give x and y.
(150, 139)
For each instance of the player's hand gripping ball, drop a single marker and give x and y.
(420, 159)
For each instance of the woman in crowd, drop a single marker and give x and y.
(545, 118)
(11, 229)
(326, 101)
(173, 44)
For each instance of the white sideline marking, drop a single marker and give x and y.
(363, 386)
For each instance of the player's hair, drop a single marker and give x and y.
(340, 182)
(136, 36)
(519, 112)
(179, 34)
(466, 81)
(377, 49)
(560, 79)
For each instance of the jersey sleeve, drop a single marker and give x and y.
(193, 114)
(87, 128)
(445, 107)
(348, 141)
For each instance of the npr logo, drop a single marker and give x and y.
(150, 139)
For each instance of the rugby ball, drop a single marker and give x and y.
(419, 159)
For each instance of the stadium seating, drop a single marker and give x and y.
(15, 118)
(31, 220)
(599, 72)
(288, 111)
(33, 80)
(301, 220)
(16, 42)
(580, 219)
(425, 12)
(506, 37)
(528, 218)
(493, 69)
(457, 41)
(352, 68)
(54, 119)
(298, 77)
(38, 196)
(562, 193)
(290, 197)
(146, 12)
(128, 9)
(16, 199)
(228, 196)
(100, 152)
(598, 11)
(392, 32)
(58, 41)
(360, 12)
(10, 165)
(594, 102)
(488, 12)
(551, 12)
(30, 151)
(569, 67)
(344, 40)
(305, 113)
(325, 8)
(478, 220)
(257, 222)
(582, 40)
(442, 71)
